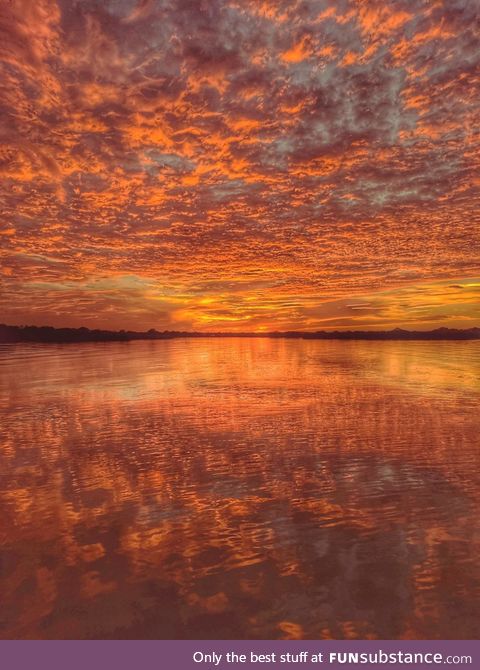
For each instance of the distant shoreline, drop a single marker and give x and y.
(48, 334)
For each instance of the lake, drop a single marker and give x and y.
(240, 488)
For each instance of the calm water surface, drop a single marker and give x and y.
(239, 488)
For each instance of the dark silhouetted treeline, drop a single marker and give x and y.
(60, 335)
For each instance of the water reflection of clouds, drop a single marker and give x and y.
(299, 499)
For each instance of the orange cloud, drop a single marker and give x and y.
(248, 165)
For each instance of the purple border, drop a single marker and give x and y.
(170, 654)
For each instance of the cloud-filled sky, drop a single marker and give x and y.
(248, 165)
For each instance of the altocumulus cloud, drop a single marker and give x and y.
(240, 165)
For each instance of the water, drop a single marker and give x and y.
(238, 488)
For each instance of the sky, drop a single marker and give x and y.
(215, 165)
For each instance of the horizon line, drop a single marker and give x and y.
(45, 334)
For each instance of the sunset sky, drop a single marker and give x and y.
(216, 165)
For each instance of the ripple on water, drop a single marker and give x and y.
(240, 488)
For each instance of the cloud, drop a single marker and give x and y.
(294, 154)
